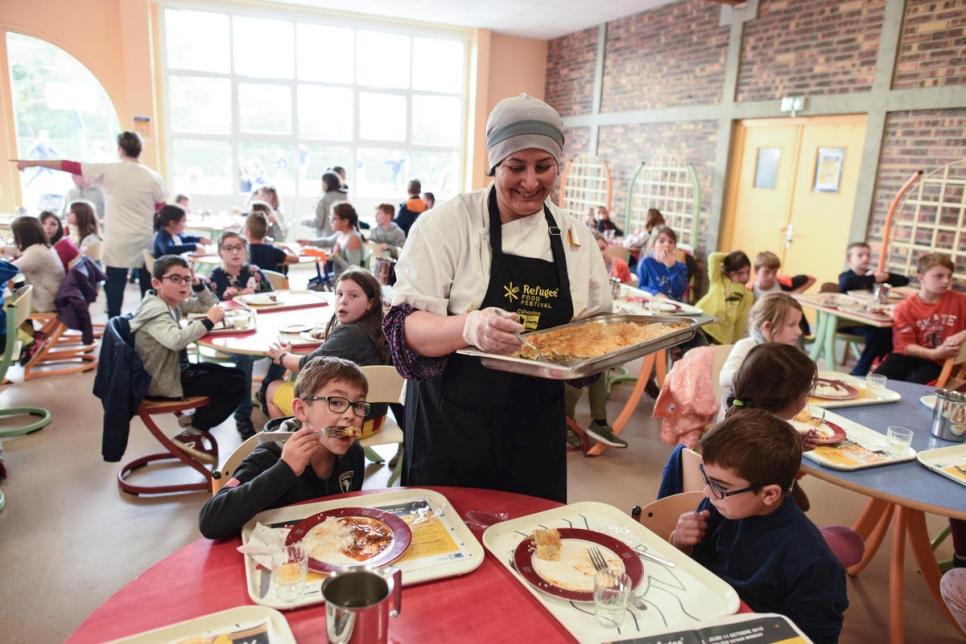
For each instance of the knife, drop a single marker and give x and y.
(264, 582)
(656, 559)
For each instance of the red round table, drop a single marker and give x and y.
(207, 576)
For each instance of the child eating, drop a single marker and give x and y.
(162, 344)
(727, 298)
(329, 392)
(263, 254)
(749, 532)
(930, 326)
(170, 224)
(233, 278)
(878, 341)
(660, 273)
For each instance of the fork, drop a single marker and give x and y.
(600, 564)
(328, 432)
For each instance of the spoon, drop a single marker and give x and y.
(540, 356)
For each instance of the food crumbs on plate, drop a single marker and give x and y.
(547, 543)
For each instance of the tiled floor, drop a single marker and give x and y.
(69, 538)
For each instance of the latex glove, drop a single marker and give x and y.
(492, 330)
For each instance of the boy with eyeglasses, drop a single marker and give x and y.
(328, 392)
(162, 342)
(749, 532)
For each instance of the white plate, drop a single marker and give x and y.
(261, 299)
(226, 621)
(295, 328)
(929, 402)
(307, 335)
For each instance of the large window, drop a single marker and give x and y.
(253, 100)
(61, 111)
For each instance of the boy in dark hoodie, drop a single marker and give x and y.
(328, 392)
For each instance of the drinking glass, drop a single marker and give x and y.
(290, 565)
(611, 590)
(875, 384)
(899, 440)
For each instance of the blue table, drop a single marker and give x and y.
(899, 495)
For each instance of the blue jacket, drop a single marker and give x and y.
(7, 270)
(164, 244)
(121, 383)
(654, 277)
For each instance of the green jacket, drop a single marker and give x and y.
(726, 300)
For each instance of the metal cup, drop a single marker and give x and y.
(949, 416)
(615, 287)
(359, 601)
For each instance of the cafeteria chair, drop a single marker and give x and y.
(224, 473)
(661, 516)
(17, 311)
(278, 280)
(946, 380)
(121, 383)
(385, 386)
(59, 350)
(148, 260)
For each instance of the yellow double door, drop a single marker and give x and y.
(792, 190)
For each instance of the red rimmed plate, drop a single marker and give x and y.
(829, 432)
(402, 536)
(573, 576)
(833, 390)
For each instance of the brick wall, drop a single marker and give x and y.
(922, 140)
(816, 47)
(931, 50)
(674, 55)
(624, 147)
(571, 61)
(670, 56)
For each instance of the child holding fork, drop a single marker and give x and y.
(328, 392)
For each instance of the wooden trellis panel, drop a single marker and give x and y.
(670, 185)
(932, 218)
(584, 184)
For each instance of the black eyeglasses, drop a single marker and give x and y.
(339, 404)
(719, 494)
(232, 249)
(177, 279)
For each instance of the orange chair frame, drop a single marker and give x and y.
(146, 410)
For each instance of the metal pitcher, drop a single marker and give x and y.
(880, 293)
(949, 416)
(359, 601)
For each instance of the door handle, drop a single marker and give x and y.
(789, 234)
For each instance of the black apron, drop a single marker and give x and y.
(477, 427)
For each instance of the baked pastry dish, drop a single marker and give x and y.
(593, 340)
(547, 543)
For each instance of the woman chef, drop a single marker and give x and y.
(474, 271)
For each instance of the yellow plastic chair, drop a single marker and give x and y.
(385, 386)
(278, 280)
(223, 474)
(661, 516)
(18, 310)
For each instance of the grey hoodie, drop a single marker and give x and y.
(160, 340)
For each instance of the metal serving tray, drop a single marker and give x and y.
(589, 366)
